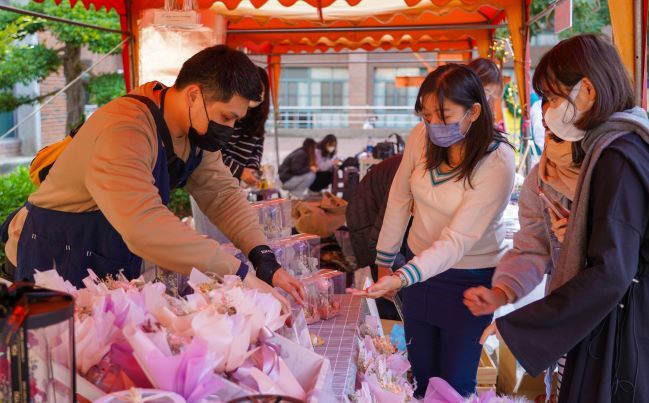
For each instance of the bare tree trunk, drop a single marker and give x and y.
(72, 67)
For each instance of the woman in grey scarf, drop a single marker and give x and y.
(598, 302)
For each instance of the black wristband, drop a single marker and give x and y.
(265, 263)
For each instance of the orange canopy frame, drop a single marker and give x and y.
(629, 21)
(282, 26)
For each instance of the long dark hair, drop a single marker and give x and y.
(253, 124)
(309, 145)
(462, 86)
(322, 145)
(592, 56)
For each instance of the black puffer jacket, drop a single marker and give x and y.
(367, 207)
(297, 163)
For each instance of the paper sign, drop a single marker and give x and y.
(175, 18)
(563, 16)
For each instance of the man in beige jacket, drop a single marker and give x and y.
(103, 204)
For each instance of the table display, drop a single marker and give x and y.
(298, 254)
(339, 347)
(274, 217)
(153, 338)
(382, 368)
(134, 334)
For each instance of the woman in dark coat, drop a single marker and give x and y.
(598, 307)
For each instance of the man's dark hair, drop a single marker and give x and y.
(222, 73)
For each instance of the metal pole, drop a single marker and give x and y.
(543, 13)
(438, 27)
(62, 90)
(276, 116)
(132, 51)
(62, 20)
(397, 52)
(637, 50)
(343, 62)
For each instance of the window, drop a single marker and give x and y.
(304, 90)
(402, 100)
(6, 123)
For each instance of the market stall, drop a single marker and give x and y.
(149, 334)
(155, 335)
(275, 27)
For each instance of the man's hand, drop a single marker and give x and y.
(249, 176)
(251, 281)
(483, 301)
(290, 284)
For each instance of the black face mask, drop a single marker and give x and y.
(215, 138)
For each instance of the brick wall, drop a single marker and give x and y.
(9, 148)
(53, 116)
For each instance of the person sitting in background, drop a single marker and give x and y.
(298, 171)
(492, 82)
(326, 162)
(245, 148)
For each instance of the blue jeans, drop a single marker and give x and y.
(442, 335)
(298, 185)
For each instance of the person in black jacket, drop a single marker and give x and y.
(365, 217)
(297, 171)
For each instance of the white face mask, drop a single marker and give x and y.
(331, 150)
(561, 120)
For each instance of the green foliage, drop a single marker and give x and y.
(97, 41)
(105, 87)
(9, 102)
(589, 16)
(20, 63)
(15, 188)
(179, 203)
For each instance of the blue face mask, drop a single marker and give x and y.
(445, 135)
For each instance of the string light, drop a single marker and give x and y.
(501, 49)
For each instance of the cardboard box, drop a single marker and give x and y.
(513, 380)
(487, 371)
